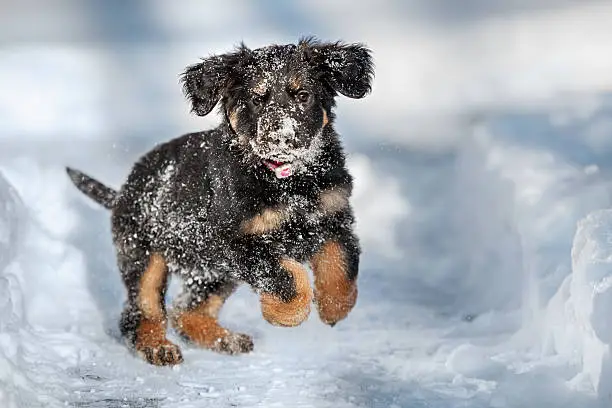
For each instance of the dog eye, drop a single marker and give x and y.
(257, 100)
(302, 96)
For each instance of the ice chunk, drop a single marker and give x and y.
(11, 220)
(578, 316)
(10, 217)
(11, 231)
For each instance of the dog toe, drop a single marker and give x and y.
(162, 354)
(235, 343)
(170, 354)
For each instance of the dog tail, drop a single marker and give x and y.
(93, 188)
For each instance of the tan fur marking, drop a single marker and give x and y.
(202, 329)
(294, 312)
(333, 200)
(266, 221)
(233, 119)
(335, 294)
(150, 333)
(201, 326)
(295, 83)
(151, 342)
(151, 286)
(152, 345)
(211, 307)
(325, 118)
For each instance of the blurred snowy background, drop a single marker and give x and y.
(482, 161)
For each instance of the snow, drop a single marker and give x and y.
(370, 182)
(579, 326)
(485, 279)
(425, 331)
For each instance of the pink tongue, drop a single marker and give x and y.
(274, 164)
(280, 169)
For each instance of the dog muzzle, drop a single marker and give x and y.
(281, 170)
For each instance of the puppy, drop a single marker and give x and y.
(250, 201)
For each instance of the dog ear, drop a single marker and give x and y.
(203, 83)
(347, 68)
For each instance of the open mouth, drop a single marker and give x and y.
(280, 169)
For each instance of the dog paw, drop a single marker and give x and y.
(287, 314)
(165, 353)
(234, 343)
(335, 292)
(205, 331)
(334, 306)
(295, 311)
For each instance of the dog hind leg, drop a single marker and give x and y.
(143, 321)
(197, 320)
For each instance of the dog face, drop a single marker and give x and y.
(278, 99)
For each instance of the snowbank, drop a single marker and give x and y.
(11, 310)
(515, 210)
(41, 290)
(485, 220)
(580, 328)
(10, 218)
(11, 233)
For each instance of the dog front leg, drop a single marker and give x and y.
(335, 266)
(282, 310)
(282, 282)
(150, 332)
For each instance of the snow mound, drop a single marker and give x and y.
(11, 232)
(11, 312)
(579, 325)
(10, 217)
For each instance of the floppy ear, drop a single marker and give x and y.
(203, 83)
(348, 68)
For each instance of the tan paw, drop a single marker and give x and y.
(166, 353)
(334, 305)
(152, 345)
(335, 293)
(294, 312)
(205, 331)
(234, 343)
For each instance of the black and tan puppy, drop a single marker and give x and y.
(250, 201)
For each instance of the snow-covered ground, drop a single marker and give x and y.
(483, 178)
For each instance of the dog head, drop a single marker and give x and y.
(278, 99)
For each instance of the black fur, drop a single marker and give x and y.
(93, 188)
(188, 198)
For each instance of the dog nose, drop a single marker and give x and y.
(273, 136)
(276, 129)
(276, 139)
